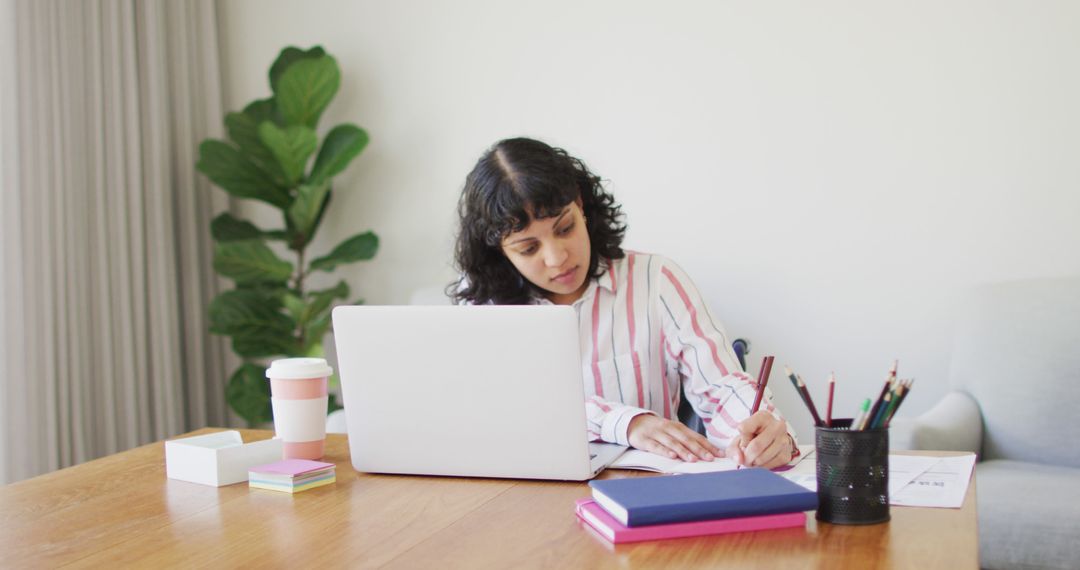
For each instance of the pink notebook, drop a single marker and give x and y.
(616, 532)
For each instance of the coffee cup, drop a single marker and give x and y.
(298, 395)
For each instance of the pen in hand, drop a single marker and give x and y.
(762, 381)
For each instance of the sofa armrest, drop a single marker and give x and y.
(954, 424)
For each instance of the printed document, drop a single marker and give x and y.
(942, 485)
(914, 480)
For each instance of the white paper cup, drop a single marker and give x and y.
(298, 395)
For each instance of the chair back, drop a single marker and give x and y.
(1017, 352)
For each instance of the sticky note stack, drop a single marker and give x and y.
(291, 475)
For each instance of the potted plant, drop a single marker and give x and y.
(268, 156)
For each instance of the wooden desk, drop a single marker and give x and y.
(121, 510)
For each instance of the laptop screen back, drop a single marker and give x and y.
(487, 391)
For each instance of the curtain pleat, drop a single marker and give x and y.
(114, 272)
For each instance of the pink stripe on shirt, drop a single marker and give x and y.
(599, 384)
(630, 325)
(690, 308)
(681, 358)
(664, 380)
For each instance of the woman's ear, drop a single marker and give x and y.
(580, 203)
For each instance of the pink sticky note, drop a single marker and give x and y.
(292, 467)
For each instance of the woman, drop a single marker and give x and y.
(536, 227)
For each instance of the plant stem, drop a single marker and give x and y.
(300, 293)
(300, 273)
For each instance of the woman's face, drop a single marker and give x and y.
(553, 254)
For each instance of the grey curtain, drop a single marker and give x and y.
(105, 294)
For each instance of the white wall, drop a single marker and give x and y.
(831, 173)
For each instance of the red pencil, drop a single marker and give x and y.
(828, 407)
(763, 379)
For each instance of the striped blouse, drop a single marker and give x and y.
(646, 334)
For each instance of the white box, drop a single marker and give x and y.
(217, 459)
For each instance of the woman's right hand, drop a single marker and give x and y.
(670, 439)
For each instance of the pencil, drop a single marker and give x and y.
(791, 376)
(877, 403)
(890, 384)
(855, 425)
(891, 408)
(795, 382)
(828, 407)
(809, 401)
(907, 388)
(763, 379)
(875, 422)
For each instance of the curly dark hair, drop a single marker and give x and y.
(515, 179)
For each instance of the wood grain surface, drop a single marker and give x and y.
(122, 511)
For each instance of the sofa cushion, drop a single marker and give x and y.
(1027, 515)
(1016, 354)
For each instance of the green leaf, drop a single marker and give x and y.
(261, 344)
(306, 88)
(287, 57)
(322, 212)
(315, 332)
(238, 175)
(305, 209)
(242, 310)
(225, 227)
(248, 394)
(341, 145)
(254, 320)
(243, 130)
(319, 301)
(250, 261)
(357, 248)
(264, 110)
(315, 351)
(332, 403)
(296, 307)
(276, 292)
(291, 147)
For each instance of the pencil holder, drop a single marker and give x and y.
(852, 474)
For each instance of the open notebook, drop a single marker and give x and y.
(644, 461)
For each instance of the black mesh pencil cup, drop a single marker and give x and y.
(852, 474)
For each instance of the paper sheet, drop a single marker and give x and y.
(645, 461)
(914, 480)
(805, 473)
(943, 485)
(903, 469)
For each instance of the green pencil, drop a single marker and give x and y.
(857, 424)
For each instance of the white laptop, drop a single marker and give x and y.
(477, 391)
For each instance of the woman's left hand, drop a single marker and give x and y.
(763, 441)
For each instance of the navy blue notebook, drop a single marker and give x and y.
(700, 496)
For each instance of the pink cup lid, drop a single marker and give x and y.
(298, 369)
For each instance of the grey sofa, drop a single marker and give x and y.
(1015, 400)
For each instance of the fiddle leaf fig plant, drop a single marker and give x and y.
(273, 154)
